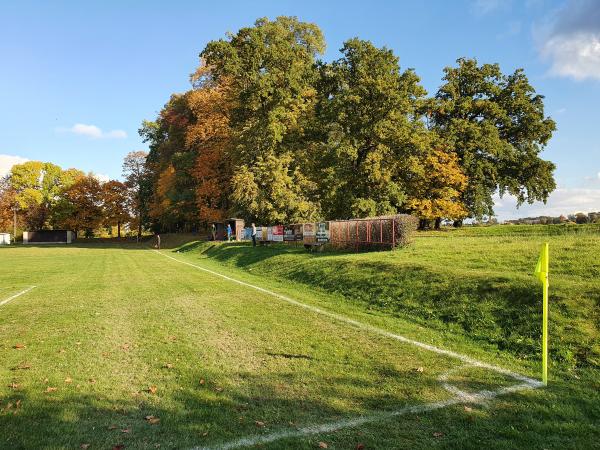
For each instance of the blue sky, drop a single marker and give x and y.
(77, 78)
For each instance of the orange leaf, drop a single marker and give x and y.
(19, 346)
(51, 389)
(322, 445)
(152, 389)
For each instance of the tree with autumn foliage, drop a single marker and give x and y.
(435, 188)
(271, 134)
(7, 204)
(82, 206)
(210, 135)
(115, 204)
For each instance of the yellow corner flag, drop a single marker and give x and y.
(541, 273)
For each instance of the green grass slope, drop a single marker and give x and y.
(476, 281)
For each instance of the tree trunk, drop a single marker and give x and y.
(438, 223)
(458, 223)
(119, 229)
(139, 233)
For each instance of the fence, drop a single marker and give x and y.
(375, 233)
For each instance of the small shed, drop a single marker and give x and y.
(237, 229)
(48, 237)
(4, 238)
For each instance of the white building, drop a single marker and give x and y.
(4, 238)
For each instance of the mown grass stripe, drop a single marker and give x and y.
(18, 294)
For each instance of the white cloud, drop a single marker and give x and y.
(7, 161)
(576, 56)
(484, 7)
(92, 131)
(570, 40)
(561, 201)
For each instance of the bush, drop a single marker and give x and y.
(405, 227)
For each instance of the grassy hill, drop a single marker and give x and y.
(475, 281)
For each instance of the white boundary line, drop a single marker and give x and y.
(459, 396)
(18, 294)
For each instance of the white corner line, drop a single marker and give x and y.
(18, 294)
(464, 358)
(459, 397)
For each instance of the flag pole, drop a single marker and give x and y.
(545, 316)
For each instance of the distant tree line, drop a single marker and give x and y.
(580, 218)
(44, 196)
(273, 134)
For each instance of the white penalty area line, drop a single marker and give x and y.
(18, 294)
(459, 396)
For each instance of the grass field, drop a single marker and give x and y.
(120, 345)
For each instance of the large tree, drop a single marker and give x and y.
(115, 204)
(38, 187)
(496, 125)
(134, 172)
(81, 205)
(7, 205)
(271, 70)
(370, 127)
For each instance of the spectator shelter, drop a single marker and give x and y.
(385, 232)
(4, 239)
(237, 229)
(48, 237)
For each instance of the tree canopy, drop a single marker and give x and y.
(273, 134)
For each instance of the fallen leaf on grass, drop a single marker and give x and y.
(219, 389)
(19, 346)
(152, 390)
(168, 366)
(14, 385)
(205, 434)
(259, 423)
(84, 446)
(92, 381)
(118, 447)
(112, 427)
(126, 430)
(152, 420)
(201, 380)
(22, 366)
(322, 445)
(62, 350)
(438, 434)
(68, 380)
(360, 446)
(468, 409)
(51, 389)
(419, 369)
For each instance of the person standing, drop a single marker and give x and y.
(253, 235)
(213, 229)
(158, 241)
(229, 232)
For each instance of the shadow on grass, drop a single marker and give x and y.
(556, 417)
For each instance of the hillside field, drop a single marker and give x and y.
(208, 345)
